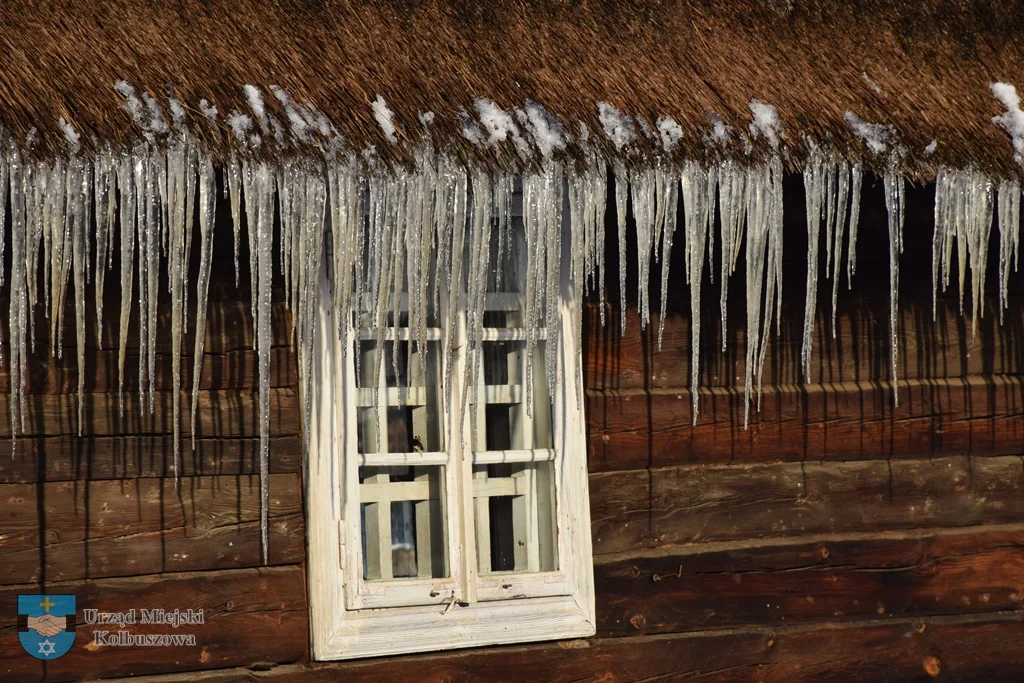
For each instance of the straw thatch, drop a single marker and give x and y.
(922, 67)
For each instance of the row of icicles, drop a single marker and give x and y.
(386, 229)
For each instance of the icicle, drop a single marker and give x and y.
(894, 205)
(127, 206)
(553, 187)
(621, 197)
(815, 192)
(106, 207)
(479, 250)
(259, 194)
(17, 316)
(178, 226)
(155, 201)
(1009, 237)
(207, 211)
(732, 200)
(857, 172)
(233, 185)
(696, 199)
(670, 199)
(60, 253)
(773, 279)
(79, 201)
(642, 185)
(840, 223)
(578, 265)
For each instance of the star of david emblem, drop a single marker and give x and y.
(47, 648)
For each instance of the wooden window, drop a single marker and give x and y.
(433, 525)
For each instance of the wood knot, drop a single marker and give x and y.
(635, 571)
(823, 551)
(960, 481)
(638, 621)
(920, 627)
(932, 666)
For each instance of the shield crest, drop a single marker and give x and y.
(46, 624)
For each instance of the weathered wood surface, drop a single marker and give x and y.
(962, 649)
(799, 580)
(844, 421)
(61, 531)
(682, 505)
(71, 458)
(223, 413)
(228, 325)
(859, 352)
(252, 616)
(235, 369)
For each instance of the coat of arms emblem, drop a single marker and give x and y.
(46, 624)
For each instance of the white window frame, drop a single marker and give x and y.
(348, 623)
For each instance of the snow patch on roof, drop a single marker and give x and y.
(71, 136)
(470, 129)
(548, 132)
(617, 126)
(385, 119)
(671, 133)
(255, 99)
(177, 113)
(870, 83)
(876, 136)
(209, 111)
(766, 122)
(426, 118)
(1013, 120)
(930, 149)
(720, 130)
(131, 102)
(240, 125)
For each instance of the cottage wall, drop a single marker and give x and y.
(837, 535)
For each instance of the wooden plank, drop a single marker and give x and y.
(228, 325)
(144, 526)
(230, 370)
(252, 617)
(944, 348)
(971, 648)
(70, 458)
(799, 580)
(847, 421)
(225, 413)
(702, 504)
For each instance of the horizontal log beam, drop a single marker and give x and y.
(970, 648)
(702, 504)
(70, 458)
(842, 421)
(831, 579)
(61, 531)
(252, 617)
(226, 413)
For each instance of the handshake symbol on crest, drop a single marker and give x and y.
(47, 625)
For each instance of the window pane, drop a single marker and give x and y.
(509, 414)
(402, 519)
(515, 517)
(406, 407)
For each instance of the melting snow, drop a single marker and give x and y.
(385, 117)
(617, 126)
(1013, 119)
(876, 136)
(766, 122)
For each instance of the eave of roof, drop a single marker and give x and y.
(924, 69)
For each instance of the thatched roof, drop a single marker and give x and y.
(923, 68)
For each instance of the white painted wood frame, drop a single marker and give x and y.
(353, 618)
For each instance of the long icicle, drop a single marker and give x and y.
(207, 211)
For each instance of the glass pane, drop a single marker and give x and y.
(503, 421)
(406, 409)
(514, 514)
(402, 519)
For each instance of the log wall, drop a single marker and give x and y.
(838, 537)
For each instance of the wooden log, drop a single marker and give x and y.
(70, 458)
(847, 421)
(61, 531)
(859, 351)
(964, 648)
(252, 617)
(799, 580)
(702, 504)
(230, 370)
(225, 413)
(228, 326)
